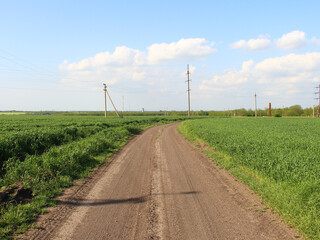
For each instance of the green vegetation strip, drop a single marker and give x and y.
(279, 158)
(40, 156)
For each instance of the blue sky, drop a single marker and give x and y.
(55, 55)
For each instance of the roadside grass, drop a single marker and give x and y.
(29, 185)
(290, 188)
(45, 176)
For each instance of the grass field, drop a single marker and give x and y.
(41, 155)
(279, 158)
(12, 113)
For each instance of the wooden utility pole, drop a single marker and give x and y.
(111, 101)
(255, 105)
(188, 80)
(105, 100)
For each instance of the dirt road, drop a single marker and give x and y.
(160, 187)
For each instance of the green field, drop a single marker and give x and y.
(279, 158)
(12, 113)
(41, 155)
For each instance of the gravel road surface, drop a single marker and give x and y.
(159, 186)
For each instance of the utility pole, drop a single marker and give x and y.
(105, 100)
(111, 100)
(318, 98)
(255, 105)
(188, 80)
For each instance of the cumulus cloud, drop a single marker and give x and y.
(122, 56)
(276, 73)
(229, 78)
(127, 64)
(293, 40)
(253, 44)
(290, 68)
(185, 49)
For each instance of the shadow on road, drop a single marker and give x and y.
(97, 202)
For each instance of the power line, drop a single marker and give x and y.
(25, 63)
(19, 65)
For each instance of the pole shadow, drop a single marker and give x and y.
(136, 200)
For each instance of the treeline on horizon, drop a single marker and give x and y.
(292, 111)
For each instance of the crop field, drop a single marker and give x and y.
(12, 113)
(277, 158)
(41, 155)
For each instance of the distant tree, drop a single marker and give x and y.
(277, 112)
(242, 112)
(250, 113)
(203, 113)
(308, 111)
(295, 110)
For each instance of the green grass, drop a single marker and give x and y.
(12, 113)
(278, 158)
(45, 154)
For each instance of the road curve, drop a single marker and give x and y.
(161, 187)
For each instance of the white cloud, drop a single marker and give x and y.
(315, 40)
(229, 78)
(192, 69)
(253, 44)
(132, 65)
(122, 56)
(247, 66)
(184, 49)
(293, 40)
(270, 93)
(278, 75)
(292, 67)
(138, 75)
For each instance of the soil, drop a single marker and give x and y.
(159, 186)
(15, 195)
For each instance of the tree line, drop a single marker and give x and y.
(295, 110)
